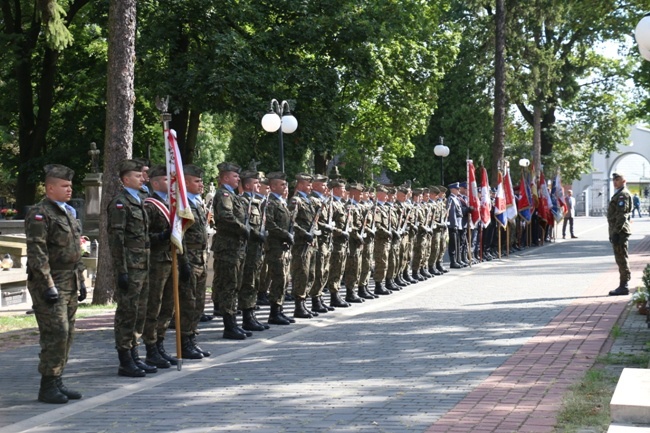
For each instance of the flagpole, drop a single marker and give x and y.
(166, 118)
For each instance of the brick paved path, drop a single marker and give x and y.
(487, 349)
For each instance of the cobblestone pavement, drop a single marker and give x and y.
(491, 348)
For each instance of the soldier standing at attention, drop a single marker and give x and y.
(383, 240)
(229, 246)
(250, 183)
(320, 196)
(279, 225)
(355, 245)
(160, 306)
(618, 219)
(263, 286)
(340, 217)
(368, 243)
(55, 276)
(303, 252)
(192, 267)
(128, 237)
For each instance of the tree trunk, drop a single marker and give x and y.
(498, 144)
(120, 100)
(192, 136)
(321, 161)
(537, 139)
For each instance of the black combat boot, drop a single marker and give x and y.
(364, 293)
(163, 353)
(622, 290)
(127, 366)
(312, 312)
(275, 318)
(205, 353)
(249, 323)
(149, 369)
(392, 285)
(154, 358)
(317, 305)
(322, 302)
(441, 268)
(256, 320)
(337, 301)
(263, 299)
(380, 290)
(434, 271)
(408, 278)
(425, 273)
(72, 395)
(188, 351)
(350, 296)
(301, 312)
(230, 329)
(290, 319)
(416, 276)
(49, 391)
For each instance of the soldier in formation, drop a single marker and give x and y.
(55, 279)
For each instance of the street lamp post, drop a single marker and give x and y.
(277, 120)
(442, 151)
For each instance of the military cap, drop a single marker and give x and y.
(334, 173)
(454, 185)
(462, 184)
(129, 165)
(417, 191)
(276, 175)
(618, 174)
(320, 178)
(434, 190)
(192, 170)
(58, 171)
(228, 166)
(143, 162)
(355, 185)
(335, 183)
(381, 188)
(265, 181)
(249, 174)
(304, 176)
(157, 170)
(404, 188)
(392, 190)
(442, 189)
(425, 190)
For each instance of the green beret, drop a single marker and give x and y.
(264, 181)
(276, 175)
(143, 162)
(129, 165)
(417, 191)
(228, 166)
(382, 188)
(249, 174)
(58, 171)
(434, 189)
(442, 189)
(392, 190)
(157, 170)
(335, 183)
(192, 170)
(320, 178)
(304, 176)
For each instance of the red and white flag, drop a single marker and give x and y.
(511, 203)
(500, 202)
(486, 203)
(180, 214)
(472, 192)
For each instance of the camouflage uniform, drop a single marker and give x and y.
(303, 263)
(355, 246)
(278, 220)
(383, 239)
(128, 237)
(323, 251)
(368, 247)
(254, 254)
(339, 246)
(54, 260)
(160, 306)
(618, 219)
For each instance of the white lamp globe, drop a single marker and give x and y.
(644, 53)
(289, 124)
(642, 33)
(271, 122)
(446, 151)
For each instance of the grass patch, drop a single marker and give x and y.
(27, 321)
(586, 405)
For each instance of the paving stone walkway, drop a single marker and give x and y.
(487, 349)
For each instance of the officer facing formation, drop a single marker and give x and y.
(55, 279)
(618, 220)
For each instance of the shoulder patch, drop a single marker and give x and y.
(119, 205)
(38, 217)
(225, 194)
